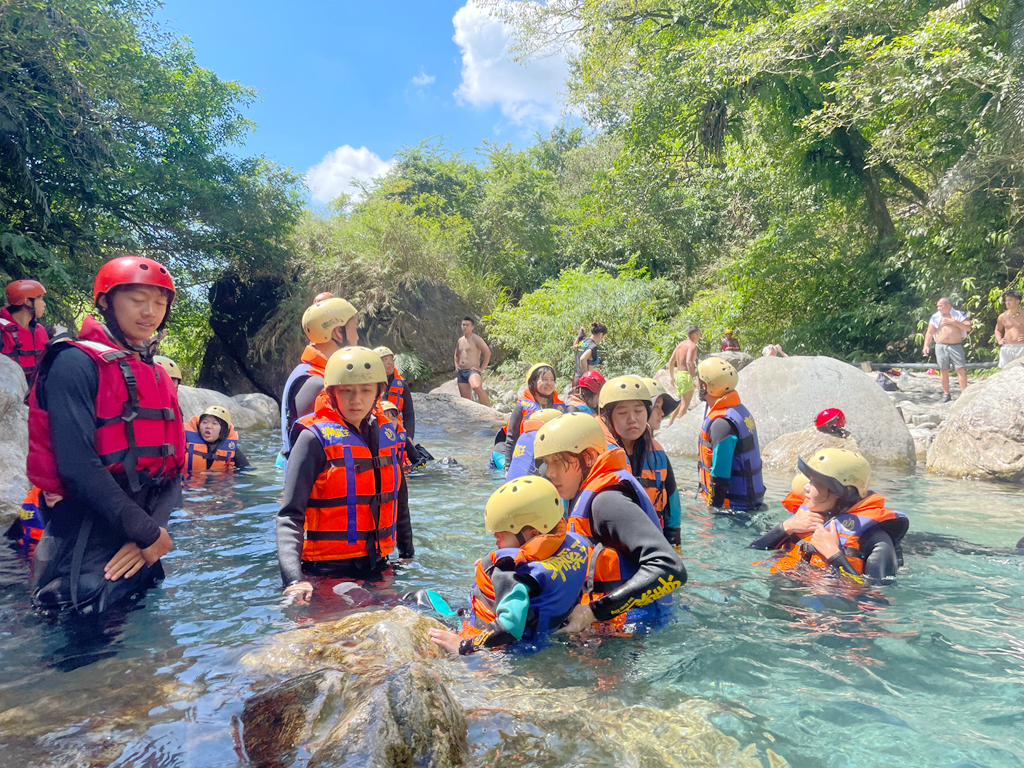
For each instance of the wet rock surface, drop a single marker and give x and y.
(782, 452)
(252, 411)
(13, 438)
(451, 413)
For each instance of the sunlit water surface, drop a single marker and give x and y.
(928, 672)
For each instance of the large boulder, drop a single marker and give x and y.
(784, 394)
(451, 413)
(983, 437)
(782, 452)
(247, 412)
(739, 360)
(13, 435)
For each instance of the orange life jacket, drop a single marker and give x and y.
(196, 448)
(792, 501)
(654, 472)
(352, 509)
(851, 527)
(396, 392)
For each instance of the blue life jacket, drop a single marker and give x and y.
(746, 486)
(296, 379)
(523, 463)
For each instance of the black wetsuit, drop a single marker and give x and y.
(617, 522)
(305, 464)
(881, 560)
(408, 412)
(304, 398)
(116, 514)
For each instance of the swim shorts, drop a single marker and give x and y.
(684, 382)
(1010, 352)
(463, 375)
(950, 356)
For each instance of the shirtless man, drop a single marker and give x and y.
(949, 327)
(682, 368)
(471, 357)
(1010, 330)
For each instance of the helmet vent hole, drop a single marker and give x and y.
(366, 366)
(350, 366)
(143, 266)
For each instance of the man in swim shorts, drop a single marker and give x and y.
(1010, 330)
(949, 327)
(471, 357)
(682, 368)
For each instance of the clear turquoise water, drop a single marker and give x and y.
(929, 672)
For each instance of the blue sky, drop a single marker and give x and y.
(346, 84)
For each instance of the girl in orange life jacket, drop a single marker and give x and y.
(625, 407)
(398, 393)
(344, 502)
(633, 568)
(330, 324)
(539, 394)
(526, 588)
(105, 435)
(22, 337)
(211, 443)
(840, 524)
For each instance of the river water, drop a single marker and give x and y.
(928, 672)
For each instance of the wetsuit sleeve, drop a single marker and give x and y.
(619, 523)
(724, 439)
(512, 608)
(71, 385)
(408, 413)
(403, 523)
(239, 459)
(305, 398)
(881, 562)
(776, 538)
(674, 509)
(515, 424)
(304, 467)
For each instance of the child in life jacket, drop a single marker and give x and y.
(211, 443)
(526, 588)
(522, 457)
(839, 524)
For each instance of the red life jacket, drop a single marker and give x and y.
(354, 500)
(23, 345)
(197, 451)
(396, 393)
(138, 432)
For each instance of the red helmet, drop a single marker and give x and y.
(131, 270)
(592, 380)
(322, 296)
(830, 417)
(23, 291)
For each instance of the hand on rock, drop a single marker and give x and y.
(582, 616)
(449, 641)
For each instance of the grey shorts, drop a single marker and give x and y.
(950, 356)
(1010, 352)
(463, 374)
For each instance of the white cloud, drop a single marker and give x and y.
(423, 79)
(527, 93)
(335, 174)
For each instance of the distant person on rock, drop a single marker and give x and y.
(345, 505)
(730, 456)
(1010, 330)
(171, 367)
(398, 393)
(949, 327)
(329, 324)
(584, 397)
(682, 368)
(211, 443)
(539, 393)
(586, 351)
(22, 337)
(471, 358)
(107, 446)
(729, 344)
(773, 350)
(662, 403)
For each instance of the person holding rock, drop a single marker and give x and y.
(949, 327)
(471, 358)
(682, 368)
(1010, 330)
(106, 446)
(22, 337)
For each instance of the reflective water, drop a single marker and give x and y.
(928, 672)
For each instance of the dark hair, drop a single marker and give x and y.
(110, 318)
(596, 327)
(225, 428)
(531, 382)
(1013, 293)
(469, 320)
(692, 329)
(578, 460)
(606, 417)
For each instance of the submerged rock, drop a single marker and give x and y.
(782, 452)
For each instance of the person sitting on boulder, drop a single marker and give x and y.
(730, 455)
(398, 393)
(662, 403)
(729, 343)
(831, 421)
(330, 325)
(344, 505)
(522, 464)
(106, 439)
(625, 408)
(22, 337)
(584, 397)
(840, 525)
(171, 367)
(211, 443)
(526, 588)
(538, 394)
(633, 569)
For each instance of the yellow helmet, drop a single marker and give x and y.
(168, 365)
(535, 367)
(522, 502)
(384, 352)
(797, 486)
(546, 415)
(387, 405)
(623, 388)
(324, 316)
(220, 412)
(655, 387)
(719, 377)
(572, 433)
(728, 330)
(839, 469)
(354, 365)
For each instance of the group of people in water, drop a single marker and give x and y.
(586, 525)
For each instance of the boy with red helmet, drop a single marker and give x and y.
(22, 337)
(110, 449)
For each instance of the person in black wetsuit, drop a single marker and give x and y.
(840, 524)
